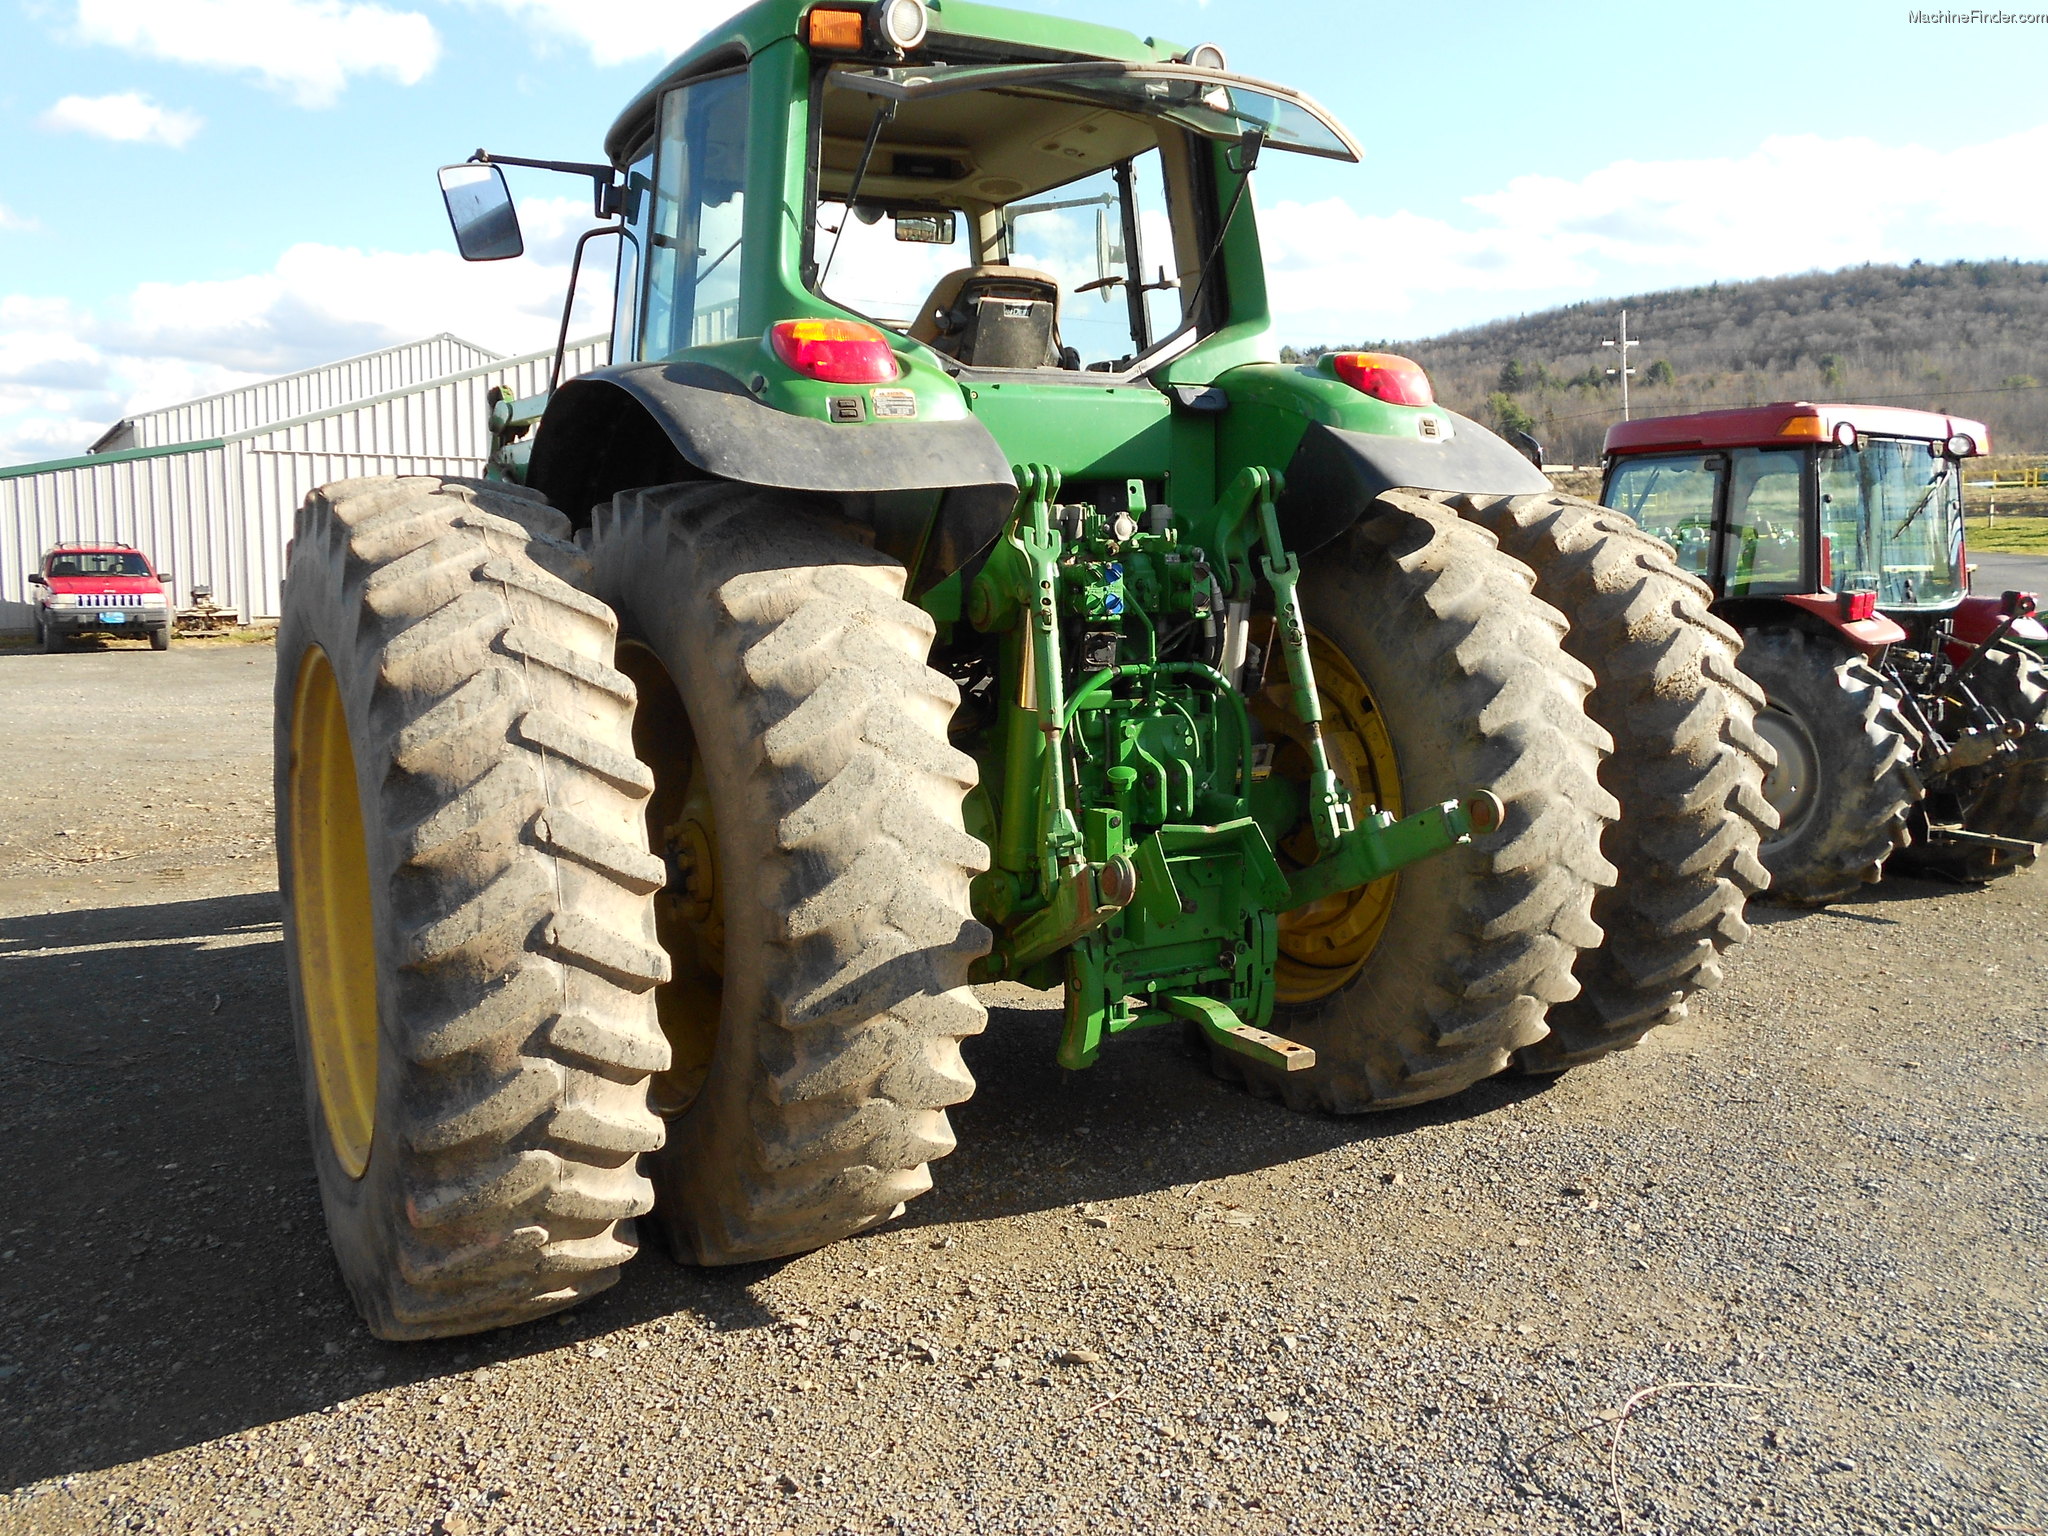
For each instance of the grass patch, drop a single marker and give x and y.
(2008, 535)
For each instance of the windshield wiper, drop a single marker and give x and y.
(1635, 513)
(1920, 506)
(883, 113)
(1247, 160)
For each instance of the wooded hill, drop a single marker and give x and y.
(1969, 337)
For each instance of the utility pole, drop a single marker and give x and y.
(1624, 372)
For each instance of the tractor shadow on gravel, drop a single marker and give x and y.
(1148, 1115)
(1866, 908)
(165, 1277)
(164, 1271)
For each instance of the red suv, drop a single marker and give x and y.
(105, 588)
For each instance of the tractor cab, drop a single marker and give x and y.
(1035, 215)
(1863, 503)
(1905, 714)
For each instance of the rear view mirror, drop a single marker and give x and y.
(926, 228)
(35, 579)
(1109, 255)
(480, 212)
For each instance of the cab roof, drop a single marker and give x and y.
(957, 27)
(1787, 422)
(91, 549)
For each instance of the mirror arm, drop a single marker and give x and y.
(608, 195)
(569, 304)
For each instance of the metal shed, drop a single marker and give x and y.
(217, 510)
(293, 395)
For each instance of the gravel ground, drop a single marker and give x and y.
(1790, 1254)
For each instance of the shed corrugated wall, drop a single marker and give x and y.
(218, 513)
(303, 393)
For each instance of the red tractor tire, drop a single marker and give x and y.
(1845, 783)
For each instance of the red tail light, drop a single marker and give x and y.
(1857, 606)
(836, 351)
(1384, 376)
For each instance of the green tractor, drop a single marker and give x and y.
(946, 583)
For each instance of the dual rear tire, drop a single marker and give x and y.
(520, 1029)
(480, 945)
(1548, 650)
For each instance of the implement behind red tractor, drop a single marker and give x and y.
(1910, 719)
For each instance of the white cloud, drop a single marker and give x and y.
(67, 373)
(9, 219)
(309, 48)
(129, 118)
(1335, 273)
(621, 31)
(1793, 204)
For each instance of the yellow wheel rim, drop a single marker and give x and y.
(1324, 945)
(689, 914)
(330, 896)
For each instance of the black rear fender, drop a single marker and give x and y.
(1336, 475)
(935, 493)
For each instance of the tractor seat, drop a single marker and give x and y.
(993, 317)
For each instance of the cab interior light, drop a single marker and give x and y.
(1384, 376)
(834, 351)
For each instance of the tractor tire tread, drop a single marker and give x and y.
(1871, 785)
(1687, 767)
(1470, 634)
(848, 926)
(448, 612)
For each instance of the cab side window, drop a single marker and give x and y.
(692, 256)
(1762, 547)
(626, 291)
(1672, 499)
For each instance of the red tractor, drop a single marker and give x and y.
(1910, 719)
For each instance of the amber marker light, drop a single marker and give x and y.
(840, 31)
(1805, 426)
(834, 351)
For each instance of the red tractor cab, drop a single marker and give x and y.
(1907, 715)
(101, 589)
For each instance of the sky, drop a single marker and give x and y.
(195, 194)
